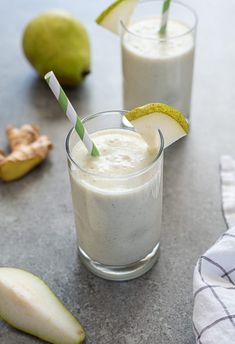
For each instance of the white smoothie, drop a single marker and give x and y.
(118, 200)
(156, 68)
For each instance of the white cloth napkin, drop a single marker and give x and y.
(214, 275)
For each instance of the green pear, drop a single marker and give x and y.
(28, 304)
(57, 41)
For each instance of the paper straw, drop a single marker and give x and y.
(165, 12)
(71, 113)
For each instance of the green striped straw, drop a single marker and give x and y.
(164, 19)
(71, 113)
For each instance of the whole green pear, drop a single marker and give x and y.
(57, 41)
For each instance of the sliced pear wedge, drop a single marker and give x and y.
(149, 118)
(28, 304)
(119, 10)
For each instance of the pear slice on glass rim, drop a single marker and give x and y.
(150, 118)
(117, 11)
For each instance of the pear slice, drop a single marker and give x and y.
(149, 118)
(28, 304)
(117, 11)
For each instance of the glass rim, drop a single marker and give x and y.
(121, 177)
(162, 39)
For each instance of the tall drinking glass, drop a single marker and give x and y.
(117, 217)
(156, 67)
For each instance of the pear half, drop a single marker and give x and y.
(149, 118)
(117, 11)
(28, 304)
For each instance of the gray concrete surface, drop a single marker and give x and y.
(36, 219)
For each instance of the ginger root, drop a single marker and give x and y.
(29, 149)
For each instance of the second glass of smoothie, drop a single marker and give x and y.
(158, 68)
(117, 197)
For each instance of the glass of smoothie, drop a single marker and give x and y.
(117, 197)
(158, 67)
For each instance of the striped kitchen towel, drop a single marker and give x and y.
(214, 275)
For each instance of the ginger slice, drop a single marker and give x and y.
(29, 149)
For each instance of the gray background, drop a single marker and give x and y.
(36, 219)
